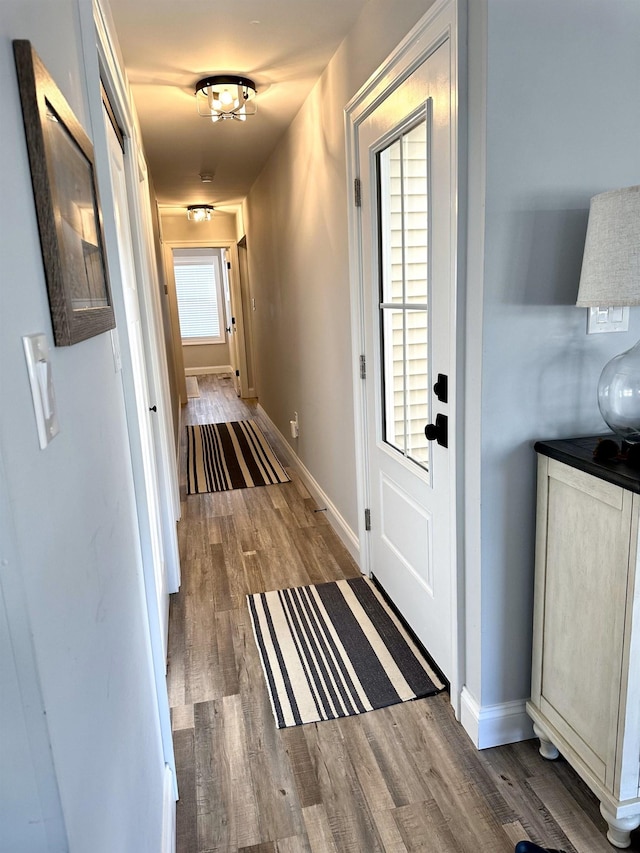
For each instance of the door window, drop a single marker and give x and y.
(403, 198)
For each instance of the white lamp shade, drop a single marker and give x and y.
(611, 263)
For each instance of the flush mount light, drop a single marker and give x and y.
(199, 212)
(226, 96)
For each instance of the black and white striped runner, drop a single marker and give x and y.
(233, 455)
(334, 650)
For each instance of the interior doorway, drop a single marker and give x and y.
(224, 260)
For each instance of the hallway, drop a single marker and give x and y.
(402, 778)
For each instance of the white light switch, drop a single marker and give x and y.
(607, 319)
(36, 351)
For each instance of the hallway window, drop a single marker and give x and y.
(199, 292)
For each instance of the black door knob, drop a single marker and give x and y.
(153, 408)
(439, 431)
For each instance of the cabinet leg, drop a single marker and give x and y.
(619, 827)
(547, 749)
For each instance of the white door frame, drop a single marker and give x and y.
(440, 23)
(101, 64)
(234, 287)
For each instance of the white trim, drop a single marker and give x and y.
(346, 533)
(168, 813)
(202, 371)
(440, 23)
(494, 725)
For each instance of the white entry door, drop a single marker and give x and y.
(404, 150)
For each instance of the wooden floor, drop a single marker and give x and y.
(405, 778)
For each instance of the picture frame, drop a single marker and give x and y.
(67, 205)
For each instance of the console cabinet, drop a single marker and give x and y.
(585, 693)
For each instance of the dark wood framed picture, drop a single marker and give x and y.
(67, 205)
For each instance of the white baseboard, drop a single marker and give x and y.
(202, 371)
(494, 725)
(169, 813)
(335, 518)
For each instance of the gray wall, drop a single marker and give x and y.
(562, 123)
(74, 630)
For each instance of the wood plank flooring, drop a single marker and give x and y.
(405, 778)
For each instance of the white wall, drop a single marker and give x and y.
(562, 123)
(297, 241)
(76, 554)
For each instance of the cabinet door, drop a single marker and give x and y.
(586, 560)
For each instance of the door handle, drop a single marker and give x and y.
(153, 408)
(439, 431)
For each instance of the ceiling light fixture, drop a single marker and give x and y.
(200, 212)
(226, 96)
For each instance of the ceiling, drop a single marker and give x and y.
(168, 45)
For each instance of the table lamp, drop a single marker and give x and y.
(611, 277)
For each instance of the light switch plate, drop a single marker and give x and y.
(607, 319)
(36, 351)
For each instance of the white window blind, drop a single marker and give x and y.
(199, 298)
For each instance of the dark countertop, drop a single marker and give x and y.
(578, 452)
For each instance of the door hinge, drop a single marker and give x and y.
(357, 192)
(367, 519)
(228, 265)
(363, 367)
(237, 373)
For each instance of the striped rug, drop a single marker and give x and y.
(334, 650)
(226, 456)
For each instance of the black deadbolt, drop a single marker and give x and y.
(439, 431)
(441, 388)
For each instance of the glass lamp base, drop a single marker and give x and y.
(619, 394)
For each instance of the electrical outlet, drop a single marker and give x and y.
(295, 426)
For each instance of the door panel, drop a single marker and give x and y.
(404, 150)
(148, 501)
(406, 531)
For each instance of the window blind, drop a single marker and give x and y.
(198, 299)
